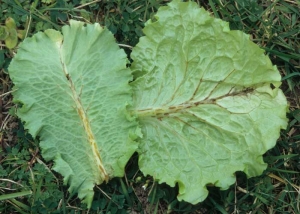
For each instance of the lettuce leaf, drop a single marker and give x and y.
(74, 92)
(207, 100)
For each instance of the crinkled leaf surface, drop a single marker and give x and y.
(207, 99)
(74, 90)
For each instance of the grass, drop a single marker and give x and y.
(27, 183)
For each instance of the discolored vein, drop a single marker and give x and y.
(166, 110)
(87, 127)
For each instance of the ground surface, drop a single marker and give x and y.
(27, 184)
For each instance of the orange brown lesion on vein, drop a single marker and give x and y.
(167, 110)
(88, 130)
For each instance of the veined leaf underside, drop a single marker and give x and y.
(76, 103)
(204, 100)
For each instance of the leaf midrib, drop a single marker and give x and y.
(86, 124)
(167, 110)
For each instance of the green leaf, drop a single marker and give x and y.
(207, 99)
(10, 23)
(74, 90)
(12, 40)
(3, 32)
(11, 37)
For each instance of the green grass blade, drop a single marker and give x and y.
(15, 195)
